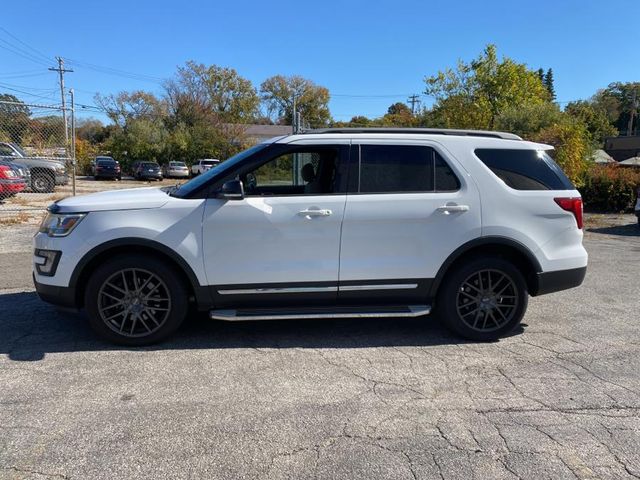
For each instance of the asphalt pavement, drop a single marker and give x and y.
(348, 399)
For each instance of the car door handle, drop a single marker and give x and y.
(447, 209)
(324, 212)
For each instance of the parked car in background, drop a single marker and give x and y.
(175, 170)
(106, 167)
(201, 166)
(335, 223)
(11, 182)
(147, 171)
(46, 173)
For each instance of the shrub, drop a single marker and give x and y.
(610, 188)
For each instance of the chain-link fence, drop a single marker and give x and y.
(36, 166)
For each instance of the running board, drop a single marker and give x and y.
(328, 312)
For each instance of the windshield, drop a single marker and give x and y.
(20, 150)
(210, 162)
(106, 162)
(195, 183)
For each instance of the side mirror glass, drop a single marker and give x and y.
(231, 190)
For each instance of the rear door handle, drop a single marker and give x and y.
(324, 212)
(447, 209)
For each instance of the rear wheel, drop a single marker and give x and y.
(135, 300)
(483, 299)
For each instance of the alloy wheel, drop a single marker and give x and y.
(487, 300)
(134, 302)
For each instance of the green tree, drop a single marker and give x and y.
(572, 148)
(594, 118)
(474, 94)
(311, 100)
(617, 100)
(548, 84)
(529, 119)
(14, 118)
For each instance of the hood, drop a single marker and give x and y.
(129, 199)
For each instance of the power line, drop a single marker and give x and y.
(36, 51)
(116, 72)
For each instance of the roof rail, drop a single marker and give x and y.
(423, 131)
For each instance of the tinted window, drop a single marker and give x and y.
(404, 168)
(106, 162)
(525, 169)
(395, 168)
(446, 180)
(209, 162)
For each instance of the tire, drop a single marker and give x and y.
(151, 313)
(483, 299)
(42, 182)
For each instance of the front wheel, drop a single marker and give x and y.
(483, 299)
(42, 183)
(135, 300)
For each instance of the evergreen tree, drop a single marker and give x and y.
(548, 83)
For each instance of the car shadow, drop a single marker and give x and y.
(31, 329)
(629, 230)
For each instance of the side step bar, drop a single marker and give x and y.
(317, 313)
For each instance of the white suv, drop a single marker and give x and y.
(201, 166)
(326, 224)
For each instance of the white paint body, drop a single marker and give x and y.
(365, 237)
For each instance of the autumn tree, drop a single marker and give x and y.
(202, 91)
(474, 94)
(278, 94)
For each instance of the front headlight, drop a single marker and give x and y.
(60, 224)
(60, 168)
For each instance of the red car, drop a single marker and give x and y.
(10, 183)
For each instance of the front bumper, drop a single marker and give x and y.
(549, 282)
(64, 297)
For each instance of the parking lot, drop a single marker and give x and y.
(560, 398)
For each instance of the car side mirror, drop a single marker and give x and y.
(231, 190)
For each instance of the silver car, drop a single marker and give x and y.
(175, 170)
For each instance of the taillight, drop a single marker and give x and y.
(573, 205)
(4, 171)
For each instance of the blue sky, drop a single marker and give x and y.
(368, 53)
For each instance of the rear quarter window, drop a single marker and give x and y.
(525, 169)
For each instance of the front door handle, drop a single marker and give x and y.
(324, 212)
(447, 209)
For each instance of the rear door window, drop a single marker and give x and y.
(525, 169)
(404, 169)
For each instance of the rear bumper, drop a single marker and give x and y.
(64, 297)
(12, 186)
(549, 282)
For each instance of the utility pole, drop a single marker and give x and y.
(73, 142)
(414, 100)
(632, 113)
(294, 121)
(61, 71)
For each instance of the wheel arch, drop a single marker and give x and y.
(98, 254)
(503, 247)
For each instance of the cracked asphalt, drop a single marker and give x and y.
(354, 399)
